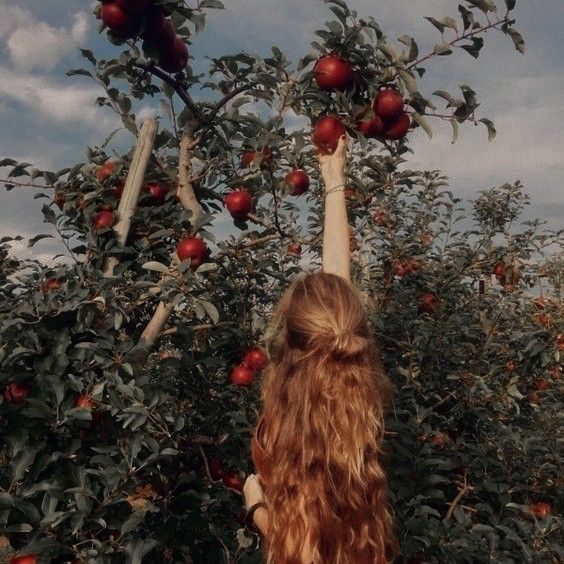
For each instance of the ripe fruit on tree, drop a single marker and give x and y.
(333, 73)
(499, 269)
(194, 249)
(326, 133)
(132, 6)
(428, 302)
(439, 439)
(241, 375)
(540, 509)
(25, 559)
(116, 19)
(249, 156)
(510, 365)
(216, 469)
(106, 170)
(51, 284)
(398, 129)
(84, 400)
(533, 398)
(373, 128)
(232, 480)
(239, 203)
(16, 392)
(295, 249)
(388, 104)
(298, 181)
(101, 219)
(543, 318)
(542, 384)
(560, 341)
(255, 358)
(175, 57)
(381, 218)
(59, 200)
(157, 191)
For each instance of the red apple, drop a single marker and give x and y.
(542, 384)
(106, 170)
(239, 203)
(400, 267)
(232, 480)
(413, 265)
(333, 73)
(560, 341)
(216, 468)
(174, 58)
(132, 6)
(16, 392)
(51, 284)
(157, 191)
(249, 156)
(59, 200)
(242, 375)
(428, 302)
(298, 181)
(381, 218)
(117, 20)
(543, 318)
(388, 104)
(101, 219)
(84, 400)
(499, 269)
(26, 559)
(533, 398)
(117, 190)
(255, 358)
(510, 366)
(398, 129)
(192, 248)
(372, 128)
(540, 509)
(327, 132)
(295, 249)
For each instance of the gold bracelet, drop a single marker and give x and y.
(340, 188)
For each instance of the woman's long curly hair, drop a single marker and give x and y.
(324, 396)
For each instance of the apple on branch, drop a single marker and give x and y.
(239, 203)
(194, 249)
(332, 73)
(327, 132)
(298, 182)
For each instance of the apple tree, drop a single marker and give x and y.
(130, 366)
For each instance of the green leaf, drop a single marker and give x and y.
(34, 240)
(87, 54)
(154, 265)
(422, 121)
(436, 23)
(467, 16)
(474, 48)
(82, 72)
(517, 39)
(491, 128)
(215, 4)
(454, 125)
(443, 49)
(510, 4)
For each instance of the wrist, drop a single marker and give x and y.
(333, 180)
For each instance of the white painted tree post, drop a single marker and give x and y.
(133, 184)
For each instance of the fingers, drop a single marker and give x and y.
(341, 149)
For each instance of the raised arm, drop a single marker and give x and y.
(336, 236)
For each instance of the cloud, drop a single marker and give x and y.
(36, 44)
(54, 101)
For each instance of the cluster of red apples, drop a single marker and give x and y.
(254, 360)
(384, 119)
(129, 18)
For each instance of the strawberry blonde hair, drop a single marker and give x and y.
(324, 396)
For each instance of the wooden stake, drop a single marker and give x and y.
(133, 185)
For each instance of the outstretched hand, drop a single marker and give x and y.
(332, 166)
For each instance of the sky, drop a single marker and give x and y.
(49, 119)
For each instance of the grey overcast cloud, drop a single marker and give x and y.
(49, 119)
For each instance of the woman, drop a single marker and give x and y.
(317, 443)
